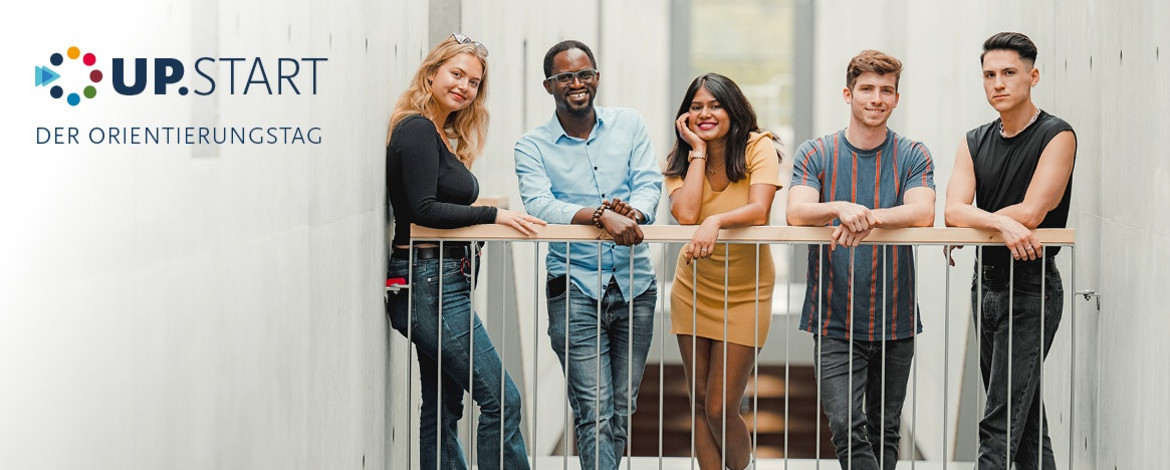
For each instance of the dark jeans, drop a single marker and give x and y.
(491, 387)
(598, 393)
(873, 423)
(1022, 329)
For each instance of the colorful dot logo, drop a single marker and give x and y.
(45, 75)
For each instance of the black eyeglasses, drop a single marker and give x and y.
(565, 78)
(461, 39)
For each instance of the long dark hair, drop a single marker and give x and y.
(743, 123)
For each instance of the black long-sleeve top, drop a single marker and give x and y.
(427, 184)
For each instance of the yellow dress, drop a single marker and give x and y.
(707, 320)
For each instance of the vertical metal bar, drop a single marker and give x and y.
(597, 358)
(630, 369)
(471, 444)
(661, 354)
(694, 343)
(756, 364)
(946, 358)
(1040, 387)
(979, 343)
(723, 399)
(504, 252)
(820, 346)
(410, 344)
(535, 409)
(1011, 300)
(1072, 347)
(565, 405)
(914, 339)
(787, 355)
(439, 375)
(882, 415)
(849, 334)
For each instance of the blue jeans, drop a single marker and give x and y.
(598, 393)
(869, 425)
(495, 402)
(1026, 355)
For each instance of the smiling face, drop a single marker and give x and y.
(1008, 79)
(872, 99)
(455, 84)
(576, 97)
(707, 118)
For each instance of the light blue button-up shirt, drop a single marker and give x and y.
(560, 174)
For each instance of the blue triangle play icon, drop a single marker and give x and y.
(45, 76)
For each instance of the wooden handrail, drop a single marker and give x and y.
(770, 233)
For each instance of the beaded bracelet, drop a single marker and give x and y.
(597, 215)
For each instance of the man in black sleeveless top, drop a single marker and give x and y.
(1018, 171)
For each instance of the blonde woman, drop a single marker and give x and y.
(436, 131)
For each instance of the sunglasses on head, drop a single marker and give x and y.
(461, 39)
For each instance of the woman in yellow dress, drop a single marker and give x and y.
(722, 173)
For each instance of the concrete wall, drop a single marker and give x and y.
(173, 306)
(1101, 71)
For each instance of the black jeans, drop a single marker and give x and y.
(857, 439)
(1025, 352)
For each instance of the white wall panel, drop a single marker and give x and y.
(174, 306)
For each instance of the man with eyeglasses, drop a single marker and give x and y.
(591, 165)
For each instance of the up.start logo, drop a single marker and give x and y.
(46, 75)
(131, 77)
(144, 77)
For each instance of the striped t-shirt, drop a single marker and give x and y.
(882, 297)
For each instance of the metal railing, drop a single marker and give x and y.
(508, 241)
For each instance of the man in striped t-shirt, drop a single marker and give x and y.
(860, 301)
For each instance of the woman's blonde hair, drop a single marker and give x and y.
(468, 126)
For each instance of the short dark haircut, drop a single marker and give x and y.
(562, 47)
(743, 122)
(1010, 41)
(877, 62)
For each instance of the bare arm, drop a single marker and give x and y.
(755, 212)
(760, 198)
(917, 210)
(687, 202)
(1048, 183)
(583, 216)
(805, 209)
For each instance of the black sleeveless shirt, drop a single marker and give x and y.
(1004, 169)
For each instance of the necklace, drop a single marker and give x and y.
(1004, 134)
(712, 171)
